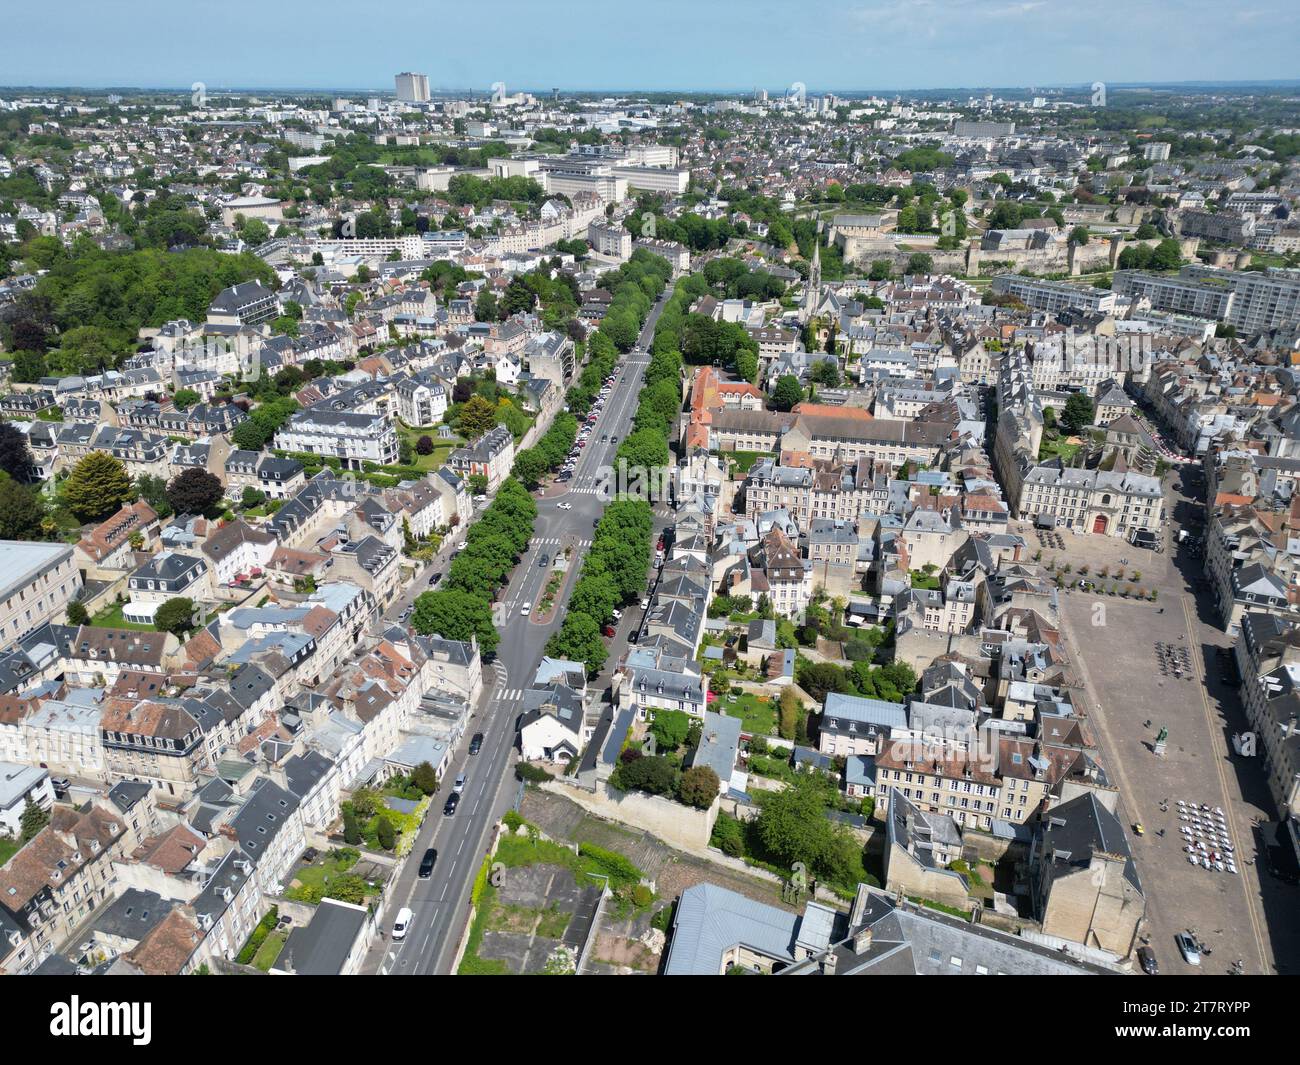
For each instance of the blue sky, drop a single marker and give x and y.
(655, 44)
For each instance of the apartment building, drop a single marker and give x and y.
(491, 456)
(353, 438)
(39, 580)
(1054, 296)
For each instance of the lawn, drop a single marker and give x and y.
(8, 848)
(435, 458)
(757, 713)
(313, 882)
(1064, 447)
(743, 460)
(270, 950)
(111, 618)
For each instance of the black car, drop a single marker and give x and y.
(1147, 958)
(427, 863)
(453, 800)
(434, 579)
(476, 743)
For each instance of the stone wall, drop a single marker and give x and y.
(675, 824)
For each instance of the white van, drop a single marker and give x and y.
(403, 922)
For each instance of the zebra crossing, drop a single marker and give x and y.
(508, 695)
(591, 490)
(560, 541)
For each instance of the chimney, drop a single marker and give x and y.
(862, 941)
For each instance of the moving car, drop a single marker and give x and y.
(434, 578)
(402, 922)
(462, 545)
(1147, 959)
(476, 743)
(525, 610)
(1188, 949)
(543, 560)
(449, 807)
(565, 506)
(427, 863)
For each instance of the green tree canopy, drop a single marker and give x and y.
(97, 487)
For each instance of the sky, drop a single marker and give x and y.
(651, 45)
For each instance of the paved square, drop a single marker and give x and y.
(1131, 700)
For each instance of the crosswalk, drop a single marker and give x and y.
(590, 490)
(509, 695)
(557, 541)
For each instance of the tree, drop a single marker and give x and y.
(385, 833)
(698, 787)
(424, 446)
(33, 820)
(425, 777)
(787, 392)
(185, 398)
(793, 827)
(728, 836)
(476, 417)
(15, 455)
(529, 467)
(595, 594)
(669, 728)
(826, 373)
(919, 263)
(153, 490)
(485, 306)
(455, 615)
(578, 639)
(194, 491)
(1080, 235)
(175, 616)
(77, 614)
(351, 830)
(97, 487)
(653, 774)
(251, 497)
(22, 512)
(1078, 412)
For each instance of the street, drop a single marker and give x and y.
(440, 903)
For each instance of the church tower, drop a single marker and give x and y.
(813, 289)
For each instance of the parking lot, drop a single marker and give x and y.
(1144, 670)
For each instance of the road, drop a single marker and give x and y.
(440, 904)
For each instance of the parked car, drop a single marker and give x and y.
(618, 615)
(462, 545)
(427, 863)
(1188, 949)
(434, 578)
(608, 630)
(402, 922)
(459, 786)
(449, 807)
(1147, 959)
(476, 743)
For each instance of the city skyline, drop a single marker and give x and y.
(895, 45)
